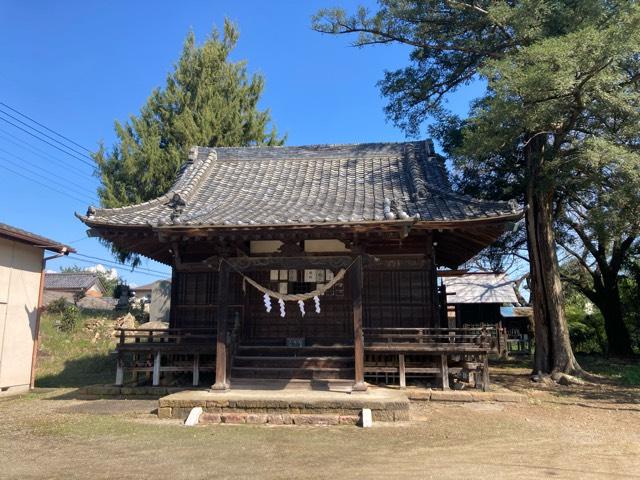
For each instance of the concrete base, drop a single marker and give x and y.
(294, 405)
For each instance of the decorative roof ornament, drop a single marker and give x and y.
(177, 204)
(392, 211)
(193, 154)
(513, 205)
(91, 211)
(388, 213)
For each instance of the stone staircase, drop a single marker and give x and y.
(279, 362)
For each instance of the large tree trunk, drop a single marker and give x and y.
(553, 349)
(608, 302)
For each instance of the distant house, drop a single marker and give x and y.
(72, 284)
(143, 290)
(488, 298)
(21, 284)
(477, 297)
(158, 296)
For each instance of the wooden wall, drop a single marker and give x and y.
(399, 291)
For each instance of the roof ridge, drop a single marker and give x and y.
(317, 145)
(85, 272)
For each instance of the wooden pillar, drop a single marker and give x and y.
(358, 340)
(222, 382)
(485, 372)
(433, 318)
(444, 371)
(401, 371)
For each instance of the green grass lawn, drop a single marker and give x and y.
(79, 358)
(623, 371)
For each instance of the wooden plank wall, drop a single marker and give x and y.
(398, 292)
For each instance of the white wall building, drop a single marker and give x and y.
(21, 285)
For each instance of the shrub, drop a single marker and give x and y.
(57, 306)
(70, 318)
(137, 310)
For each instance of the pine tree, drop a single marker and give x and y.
(207, 101)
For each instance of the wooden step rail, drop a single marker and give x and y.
(157, 342)
(439, 343)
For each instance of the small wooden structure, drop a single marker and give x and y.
(292, 220)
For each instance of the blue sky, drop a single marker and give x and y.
(76, 66)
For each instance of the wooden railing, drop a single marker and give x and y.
(471, 344)
(141, 351)
(482, 337)
(173, 336)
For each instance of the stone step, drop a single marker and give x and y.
(278, 418)
(292, 362)
(306, 373)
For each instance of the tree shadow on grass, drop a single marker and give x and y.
(81, 372)
(607, 389)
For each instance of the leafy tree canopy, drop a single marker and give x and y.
(207, 100)
(562, 103)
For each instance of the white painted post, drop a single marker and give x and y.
(119, 372)
(194, 417)
(367, 419)
(156, 369)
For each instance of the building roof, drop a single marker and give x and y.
(321, 184)
(71, 281)
(19, 235)
(516, 311)
(144, 288)
(480, 288)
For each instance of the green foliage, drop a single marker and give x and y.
(207, 101)
(120, 289)
(556, 127)
(57, 306)
(626, 372)
(137, 310)
(630, 295)
(586, 325)
(69, 318)
(77, 358)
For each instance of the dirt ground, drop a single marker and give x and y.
(580, 432)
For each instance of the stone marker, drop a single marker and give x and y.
(367, 420)
(194, 417)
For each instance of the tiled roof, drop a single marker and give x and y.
(70, 280)
(480, 288)
(14, 233)
(306, 185)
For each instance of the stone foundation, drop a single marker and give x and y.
(277, 408)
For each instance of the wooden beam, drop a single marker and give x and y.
(485, 373)
(244, 264)
(221, 331)
(358, 338)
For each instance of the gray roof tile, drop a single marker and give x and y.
(306, 184)
(70, 280)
